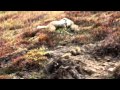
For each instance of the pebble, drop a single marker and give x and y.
(111, 69)
(108, 58)
(66, 56)
(75, 51)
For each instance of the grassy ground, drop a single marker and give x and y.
(26, 52)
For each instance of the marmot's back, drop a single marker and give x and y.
(60, 23)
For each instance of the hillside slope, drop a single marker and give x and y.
(27, 53)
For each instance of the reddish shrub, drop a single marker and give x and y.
(74, 15)
(2, 42)
(100, 33)
(22, 43)
(28, 34)
(48, 38)
(110, 46)
(20, 63)
(81, 39)
(6, 49)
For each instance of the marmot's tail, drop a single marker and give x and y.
(42, 27)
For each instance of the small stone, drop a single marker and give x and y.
(105, 64)
(76, 51)
(73, 52)
(49, 54)
(66, 56)
(111, 69)
(108, 58)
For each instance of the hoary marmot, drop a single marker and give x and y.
(63, 23)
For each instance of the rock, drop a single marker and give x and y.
(49, 54)
(116, 72)
(111, 69)
(66, 56)
(76, 51)
(73, 52)
(108, 58)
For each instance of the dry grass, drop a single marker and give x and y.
(6, 49)
(17, 27)
(17, 30)
(5, 77)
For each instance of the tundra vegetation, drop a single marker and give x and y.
(92, 52)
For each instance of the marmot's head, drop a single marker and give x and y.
(68, 22)
(66, 19)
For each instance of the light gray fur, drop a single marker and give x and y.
(65, 22)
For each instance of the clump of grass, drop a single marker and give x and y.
(2, 12)
(100, 33)
(22, 43)
(5, 77)
(15, 65)
(6, 49)
(20, 64)
(29, 33)
(9, 36)
(50, 39)
(5, 15)
(80, 17)
(12, 24)
(64, 31)
(2, 42)
(110, 45)
(82, 39)
(37, 54)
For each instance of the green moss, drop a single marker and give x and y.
(63, 31)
